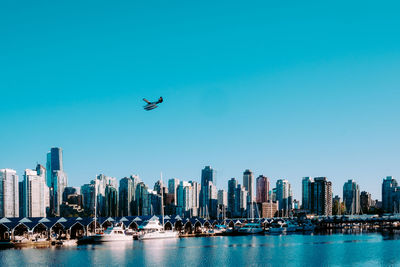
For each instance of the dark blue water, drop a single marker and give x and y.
(287, 250)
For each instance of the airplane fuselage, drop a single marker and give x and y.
(150, 106)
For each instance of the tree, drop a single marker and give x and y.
(338, 208)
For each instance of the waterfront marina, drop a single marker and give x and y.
(42, 232)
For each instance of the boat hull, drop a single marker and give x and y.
(158, 235)
(106, 238)
(277, 230)
(253, 231)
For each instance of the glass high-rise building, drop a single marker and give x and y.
(54, 163)
(388, 188)
(207, 175)
(222, 203)
(111, 201)
(9, 193)
(126, 192)
(184, 201)
(88, 191)
(305, 189)
(172, 189)
(211, 209)
(351, 197)
(284, 195)
(321, 196)
(262, 189)
(102, 183)
(56, 179)
(151, 203)
(207, 180)
(248, 183)
(241, 201)
(141, 205)
(232, 184)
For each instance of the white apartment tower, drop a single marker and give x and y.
(9, 197)
(35, 193)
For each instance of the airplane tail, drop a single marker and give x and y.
(160, 100)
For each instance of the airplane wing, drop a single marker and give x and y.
(147, 101)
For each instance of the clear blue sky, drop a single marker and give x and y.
(286, 89)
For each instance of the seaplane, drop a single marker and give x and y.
(152, 105)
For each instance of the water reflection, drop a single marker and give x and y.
(155, 250)
(300, 250)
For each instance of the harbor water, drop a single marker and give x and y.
(263, 250)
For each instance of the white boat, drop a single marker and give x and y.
(219, 229)
(113, 234)
(152, 229)
(162, 234)
(251, 229)
(69, 243)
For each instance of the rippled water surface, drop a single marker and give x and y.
(287, 250)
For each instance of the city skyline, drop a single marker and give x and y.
(212, 171)
(45, 192)
(223, 183)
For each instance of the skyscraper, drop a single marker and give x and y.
(141, 203)
(211, 195)
(207, 179)
(321, 196)
(126, 192)
(9, 197)
(184, 195)
(241, 201)
(135, 181)
(232, 184)
(284, 196)
(306, 186)
(104, 184)
(21, 198)
(35, 192)
(248, 183)
(195, 198)
(111, 201)
(151, 203)
(56, 179)
(172, 189)
(388, 186)
(262, 190)
(351, 197)
(395, 203)
(88, 191)
(160, 186)
(222, 203)
(207, 175)
(273, 194)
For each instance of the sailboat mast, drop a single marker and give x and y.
(252, 208)
(95, 205)
(162, 200)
